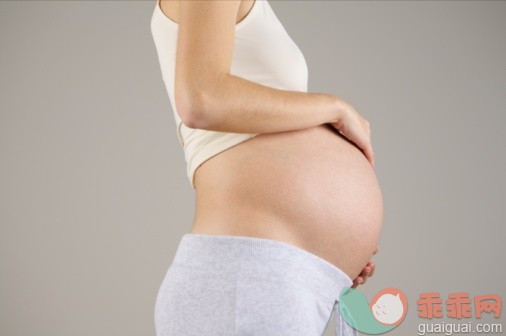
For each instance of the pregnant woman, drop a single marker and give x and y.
(288, 207)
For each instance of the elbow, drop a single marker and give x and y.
(193, 108)
(201, 105)
(189, 108)
(190, 119)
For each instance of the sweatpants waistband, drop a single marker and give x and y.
(229, 253)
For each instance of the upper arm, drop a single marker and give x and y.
(204, 49)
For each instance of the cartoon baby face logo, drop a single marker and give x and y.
(386, 310)
(388, 306)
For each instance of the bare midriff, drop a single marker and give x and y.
(311, 188)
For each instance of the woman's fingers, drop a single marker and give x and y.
(373, 267)
(366, 273)
(367, 146)
(357, 129)
(358, 281)
(362, 277)
(359, 138)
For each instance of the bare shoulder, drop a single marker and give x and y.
(172, 8)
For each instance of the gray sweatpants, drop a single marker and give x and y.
(220, 285)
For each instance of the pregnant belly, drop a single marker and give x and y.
(311, 188)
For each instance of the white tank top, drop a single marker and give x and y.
(263, 53)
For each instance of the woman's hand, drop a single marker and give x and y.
(367, 272)
(354, 127)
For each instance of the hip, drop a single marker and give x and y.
(228, 285)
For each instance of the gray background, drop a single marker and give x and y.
(93, 188)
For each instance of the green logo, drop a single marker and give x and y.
(385, 312)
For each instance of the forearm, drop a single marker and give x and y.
(242, 106)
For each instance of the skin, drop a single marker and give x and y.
(204, 82)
